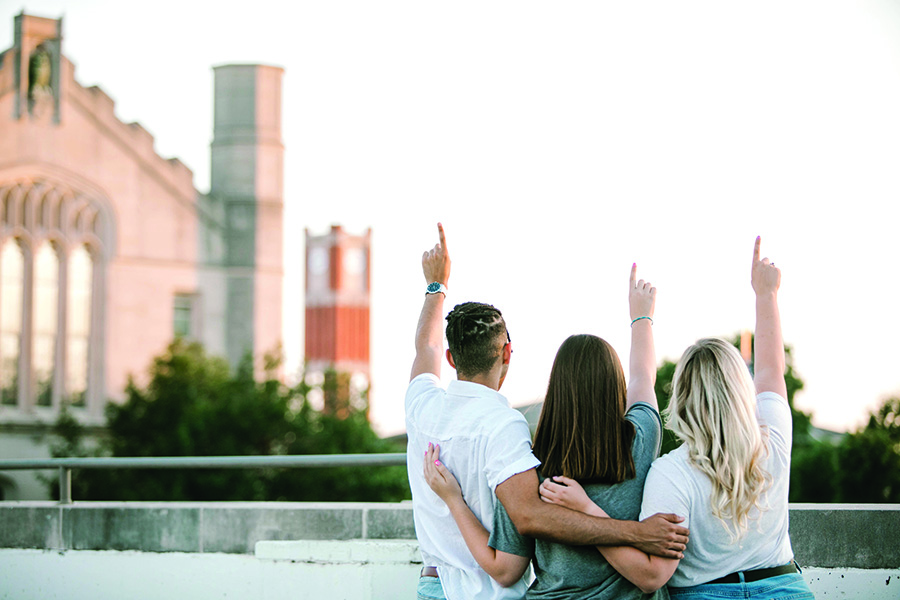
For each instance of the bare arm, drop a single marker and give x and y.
(506, 569)
(642, 363)
(768, 344)
(429, 332)
(647, 572)
(660, 534)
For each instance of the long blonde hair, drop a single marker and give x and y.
(713, 411)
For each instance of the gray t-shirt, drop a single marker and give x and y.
(581, 571)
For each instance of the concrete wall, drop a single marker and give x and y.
(202, 527)
(331, 550)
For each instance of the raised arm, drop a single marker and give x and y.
(768, 363)
(642, 364)
(660, 534)
(429, 332)
(647, 572)
(506, 569)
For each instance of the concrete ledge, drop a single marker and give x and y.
(348, 552)
(846, 584)
(361, 570)
(848, 536)
(364, 569)
(828, 536)
(228, 527)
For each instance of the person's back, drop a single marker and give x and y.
(563, 571)
(596, 430)
(489, 440)
(713, 551)
(482, 439)
(730, 476)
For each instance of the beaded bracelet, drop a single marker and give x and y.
(639, 318)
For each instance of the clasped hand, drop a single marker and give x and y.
(438, 477)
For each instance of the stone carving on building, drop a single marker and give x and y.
(40, 79)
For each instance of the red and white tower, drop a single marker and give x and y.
(337, 314)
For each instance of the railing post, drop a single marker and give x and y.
(65, 485)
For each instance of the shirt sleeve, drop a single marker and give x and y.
(774, 414)
(417, 389)
(647, 434)
(506, 538)
(508, 451)
(665, 491)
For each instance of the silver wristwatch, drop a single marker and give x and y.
(436, 288)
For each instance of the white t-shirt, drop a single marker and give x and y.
(675, 486)
(483, 442)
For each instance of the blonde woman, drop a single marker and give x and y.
(729, 478)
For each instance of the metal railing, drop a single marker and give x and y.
(66, 465)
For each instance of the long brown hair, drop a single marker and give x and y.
(582, 432)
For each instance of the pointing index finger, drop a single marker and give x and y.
(442, 237)
(756, 250)
(633, 274)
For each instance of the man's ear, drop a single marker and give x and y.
(450, 359)
(507, 353)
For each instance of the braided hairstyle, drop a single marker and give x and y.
(473, 331)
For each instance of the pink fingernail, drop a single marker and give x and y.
(437, 462)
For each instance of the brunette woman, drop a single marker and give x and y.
(592, 429)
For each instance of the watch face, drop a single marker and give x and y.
(434, 287)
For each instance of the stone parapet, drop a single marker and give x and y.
(226, 527)
(263, 551)
(826, 536)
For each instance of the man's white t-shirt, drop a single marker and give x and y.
(483, 443)
(675, 486)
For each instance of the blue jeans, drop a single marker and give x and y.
(783, 587)
(430, 589)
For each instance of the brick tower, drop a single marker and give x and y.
(337, 315)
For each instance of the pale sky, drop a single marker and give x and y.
(559, 143)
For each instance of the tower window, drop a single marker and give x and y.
(185, 316)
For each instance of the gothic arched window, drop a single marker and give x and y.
(12, 289)
(54, 244)
(45, 323)
(78, 324)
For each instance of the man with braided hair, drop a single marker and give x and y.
(487, 446)
(472, 331)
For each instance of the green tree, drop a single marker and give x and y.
(195, 405)
(868, 461)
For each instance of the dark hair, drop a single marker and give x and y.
(472, 332)
(582, 432)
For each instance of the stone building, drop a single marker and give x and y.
(107, 251)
